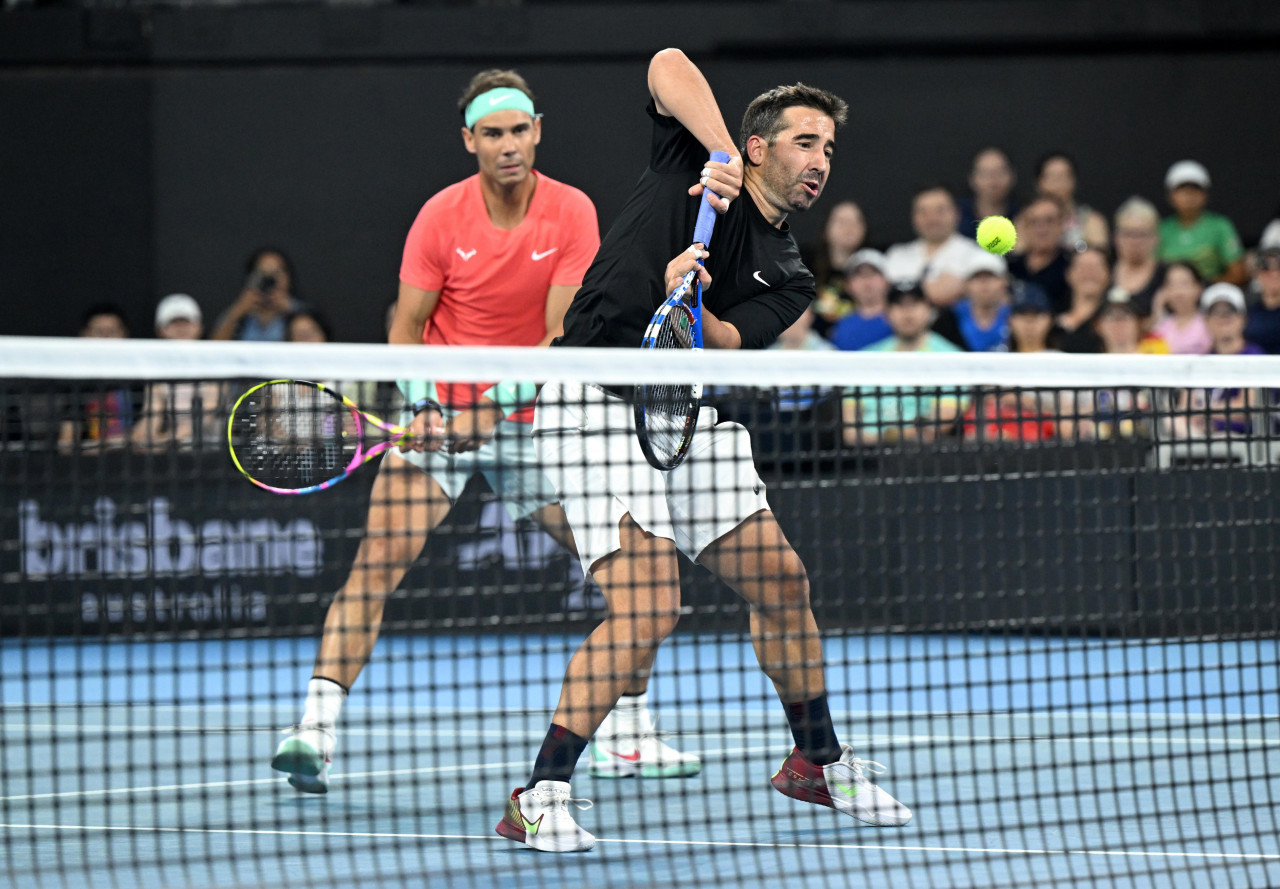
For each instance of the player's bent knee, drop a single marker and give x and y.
(646, 629)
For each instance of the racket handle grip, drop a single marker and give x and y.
(707, 213)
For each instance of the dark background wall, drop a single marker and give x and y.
(148, 150)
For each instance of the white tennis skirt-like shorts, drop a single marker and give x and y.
(586, 444)
(508, 462)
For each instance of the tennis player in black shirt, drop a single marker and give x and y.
(630, 520)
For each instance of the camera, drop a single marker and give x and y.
(263, 283)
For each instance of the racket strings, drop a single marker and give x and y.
(669, 408)
(293, 435)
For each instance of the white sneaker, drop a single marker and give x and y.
(540, 818)
(842, 785)
(306, 755)
(622, 750)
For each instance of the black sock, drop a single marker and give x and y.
(558, 756)
(811, 727)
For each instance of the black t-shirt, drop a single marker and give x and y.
(759, 283)
(1052, 278)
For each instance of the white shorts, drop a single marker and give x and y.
(508, 462)
(586, 443)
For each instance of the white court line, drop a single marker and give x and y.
(249, 782)
(968, 850)
(80, 728)
(712, 754)
(343, 776)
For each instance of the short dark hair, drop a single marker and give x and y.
(1187, 267)
(1045, 198)
(103, 308)
(763, 116)
(492, 79)
(933, 186)
(1102, 252)
(1055, 156)
(991, 149)
(321, 321)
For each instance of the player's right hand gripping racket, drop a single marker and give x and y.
(667, 413)
(297, 437)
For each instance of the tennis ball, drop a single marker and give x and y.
(996, 234)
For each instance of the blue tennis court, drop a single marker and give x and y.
(1026, 760)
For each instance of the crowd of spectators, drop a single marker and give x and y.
(177, 414)
(1077, 283)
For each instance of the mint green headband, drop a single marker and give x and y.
(500, 99)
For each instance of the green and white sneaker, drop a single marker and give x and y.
(842, 785)
(306, 754)
(627, 745)
(540, 818)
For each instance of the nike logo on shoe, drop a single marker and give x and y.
(756, 275)
(518, 819)
(543, 255)
(633, 756)
(846, 789)
(467, 255)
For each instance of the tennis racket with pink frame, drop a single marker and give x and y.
(298, 437)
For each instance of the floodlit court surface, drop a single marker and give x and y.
(1027, 761)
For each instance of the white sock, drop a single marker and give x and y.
(324, 702)
(631, 714)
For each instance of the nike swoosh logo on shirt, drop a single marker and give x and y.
(756, 275)
(467, 255)
(544, 254)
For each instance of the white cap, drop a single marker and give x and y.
(177, 307)
(873, 258)
(1222, 292)
(1270, 239)
(1186, 173)
(982, 261)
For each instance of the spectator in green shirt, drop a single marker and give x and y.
(1193, 234)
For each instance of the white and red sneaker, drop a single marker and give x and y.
(306, 755)
(627, 745)
(843, 785)
(540, 818)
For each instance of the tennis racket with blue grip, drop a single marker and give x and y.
(666, 414)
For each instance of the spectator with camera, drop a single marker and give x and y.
(260, 313)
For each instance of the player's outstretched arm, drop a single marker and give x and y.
(679, 90)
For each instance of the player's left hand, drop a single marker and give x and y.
(472, 429)
(724, 181)
(686, 262)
